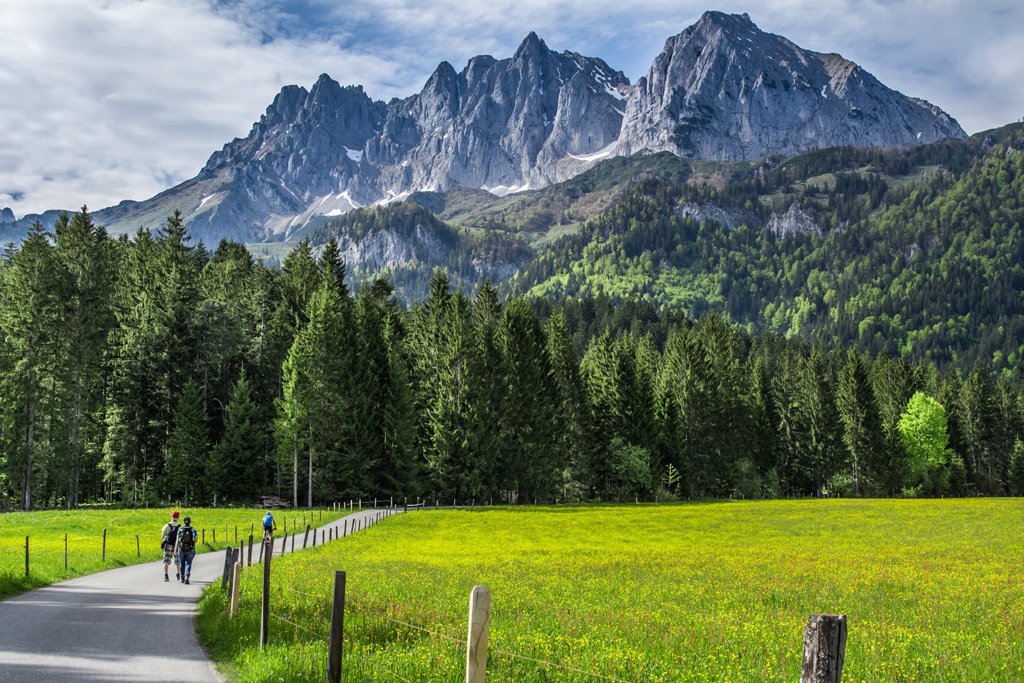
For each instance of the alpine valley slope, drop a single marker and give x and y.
(722, 89)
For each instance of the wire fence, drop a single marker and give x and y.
(307, 609)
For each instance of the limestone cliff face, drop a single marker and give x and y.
(500, 124)
(724, 89)
(721, 89)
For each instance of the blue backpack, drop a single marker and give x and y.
(268, 522)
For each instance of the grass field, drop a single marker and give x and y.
(932, 591)
(85, 539)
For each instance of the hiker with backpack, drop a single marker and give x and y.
(168, 538)
(186, 548)
(269, 525)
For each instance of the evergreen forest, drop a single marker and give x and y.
(150, 370)
(650, 355)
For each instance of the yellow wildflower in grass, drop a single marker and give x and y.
(656, 594)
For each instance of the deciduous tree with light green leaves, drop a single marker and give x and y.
(925, 437)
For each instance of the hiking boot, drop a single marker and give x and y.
(186, 579)
(166, 578)
(177, 576)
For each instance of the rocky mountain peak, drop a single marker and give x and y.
(725, 89)
(532, 46)
(720, 89)
(7, 216)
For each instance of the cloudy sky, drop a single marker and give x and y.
(104, 100)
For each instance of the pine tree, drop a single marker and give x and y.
(314, 414)
(570, 402)
(29, 317)
(237, 473)
(185, 471)
(85, 281)
(977, 412)
(491, 451)
(862, 425)
(1016, 483)
(526, 424)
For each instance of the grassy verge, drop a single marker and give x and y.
(85, 539)
(651, 594)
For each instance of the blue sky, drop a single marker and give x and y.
(104, 100)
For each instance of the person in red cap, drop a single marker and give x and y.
(167, 539)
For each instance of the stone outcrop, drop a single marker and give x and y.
(724, 89)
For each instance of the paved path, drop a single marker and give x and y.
(123, 624)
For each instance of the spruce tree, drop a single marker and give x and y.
(85, 278)
(186, 473)
(29, 318)
(238, 472)
(862, 425)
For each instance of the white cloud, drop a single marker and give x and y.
(107, 100)
(102, 100)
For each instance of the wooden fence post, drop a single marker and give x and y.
(262, 546)
(305, 537)
(215, 537)
(204, 536)
(284, 541)
(226, 574)
(824, 648)
(479, 628)
(265, 609)
(293, 542)
(236, 578)
(250, 550)
(65, 552)
(104, 545)
(336, 641)
(138, 548)
(26, 557)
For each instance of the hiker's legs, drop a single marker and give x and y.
(186, 564)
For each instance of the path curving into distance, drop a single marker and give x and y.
(122, 624)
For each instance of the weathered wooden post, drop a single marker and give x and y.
(226, 574)
(236, 578)
(236, 533)
(104, 545)
(336, 641)
(284, 542)
(204, 536)
(305, 537)
(824, 648)
(65, 552)
(293, 541)
(250, 550)
(138, 548)
(265, 608)
(26, 557)
(262, 546)
(479, 628)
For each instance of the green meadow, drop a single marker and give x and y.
(931, 589)
(84, 529)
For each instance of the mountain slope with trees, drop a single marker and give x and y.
(149, 371)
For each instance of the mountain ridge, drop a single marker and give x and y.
(721, 89)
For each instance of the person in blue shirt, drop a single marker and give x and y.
(269, 525)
